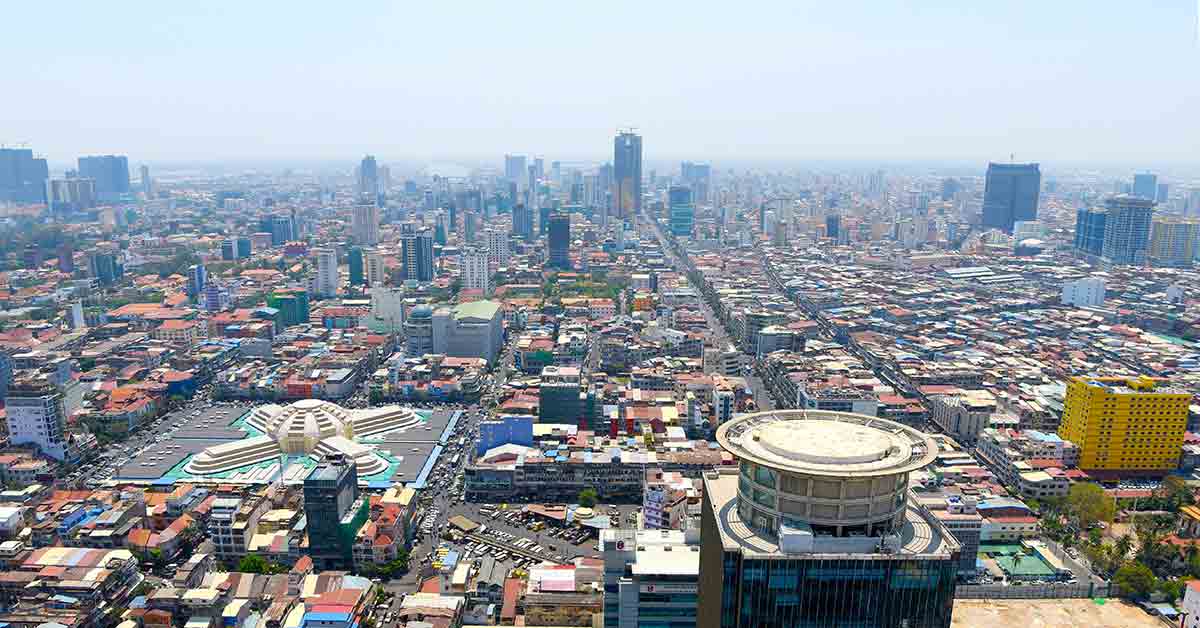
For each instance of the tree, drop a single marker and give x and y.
(253, 563)
(1176, 492)
(588, 497)
(1171, 588)
(1135, 580)
(1090, 504)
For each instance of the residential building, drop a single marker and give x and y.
(1127, 229)
(1010, 194)
(475, 272)
(376, 270)
(1125, 424)
(558, 241)
(70, 194)
(365, 224)
(22, 176)
(416, 251)
(499, 253)
(522, 222)
(1089, 230)
(1086, 292)
(327, 272)
(36, 416)
(1174, 241)
(197, 280)
(110, 172)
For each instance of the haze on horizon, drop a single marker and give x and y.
(1099, 81)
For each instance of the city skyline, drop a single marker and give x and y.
(917, 83)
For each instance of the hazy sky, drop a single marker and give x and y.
(1103, 80)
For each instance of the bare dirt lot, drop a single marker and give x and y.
(1051, 614)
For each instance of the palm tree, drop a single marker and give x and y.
(1123, 545)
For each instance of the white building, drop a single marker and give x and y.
(36, 416)
(77, 319)
(475, 273)
(365, 224)
(650, 574)
(327, 272)
(498, 251)
(1191, 605)
(1086, 292)
(387, 310)
(375, 270)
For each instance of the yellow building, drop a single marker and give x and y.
(1124, 423)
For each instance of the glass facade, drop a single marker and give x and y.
(803, 593)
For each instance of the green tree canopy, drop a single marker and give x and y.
(588, 497)
(1135, 580)
(1089, 504)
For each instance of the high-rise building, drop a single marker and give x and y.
(197, 280)
(522, 221)
(416, 249)
(833, 226)
(292, 306)
(698, 177)
(816, 526)
(105, 267)
(1125, 424)
(110, 172)
(36, 416)
(651, 577)
(1010, 194)
(334, 511)
(228, 249)
(71, 194)
(281, 227)
(558, 242)
(470, 226)
(243, 247)
(1145, 186)
(1127, 229)
(1174, 241)
(365, 225)
(387, 310)
(499, 253)
(627, 175)
(77, 319)
(1164, 193)
(368, 182)
(66, 258)
(1089, 230)
(683, 212)
(357, 266)
(327, 272)
(475, 270)
(216, 297)
(147, 182)
(22, 176)
(376, 271)
(515, 170)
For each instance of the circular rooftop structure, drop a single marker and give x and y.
(837, 444)
(299, 426)
(836, 472)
